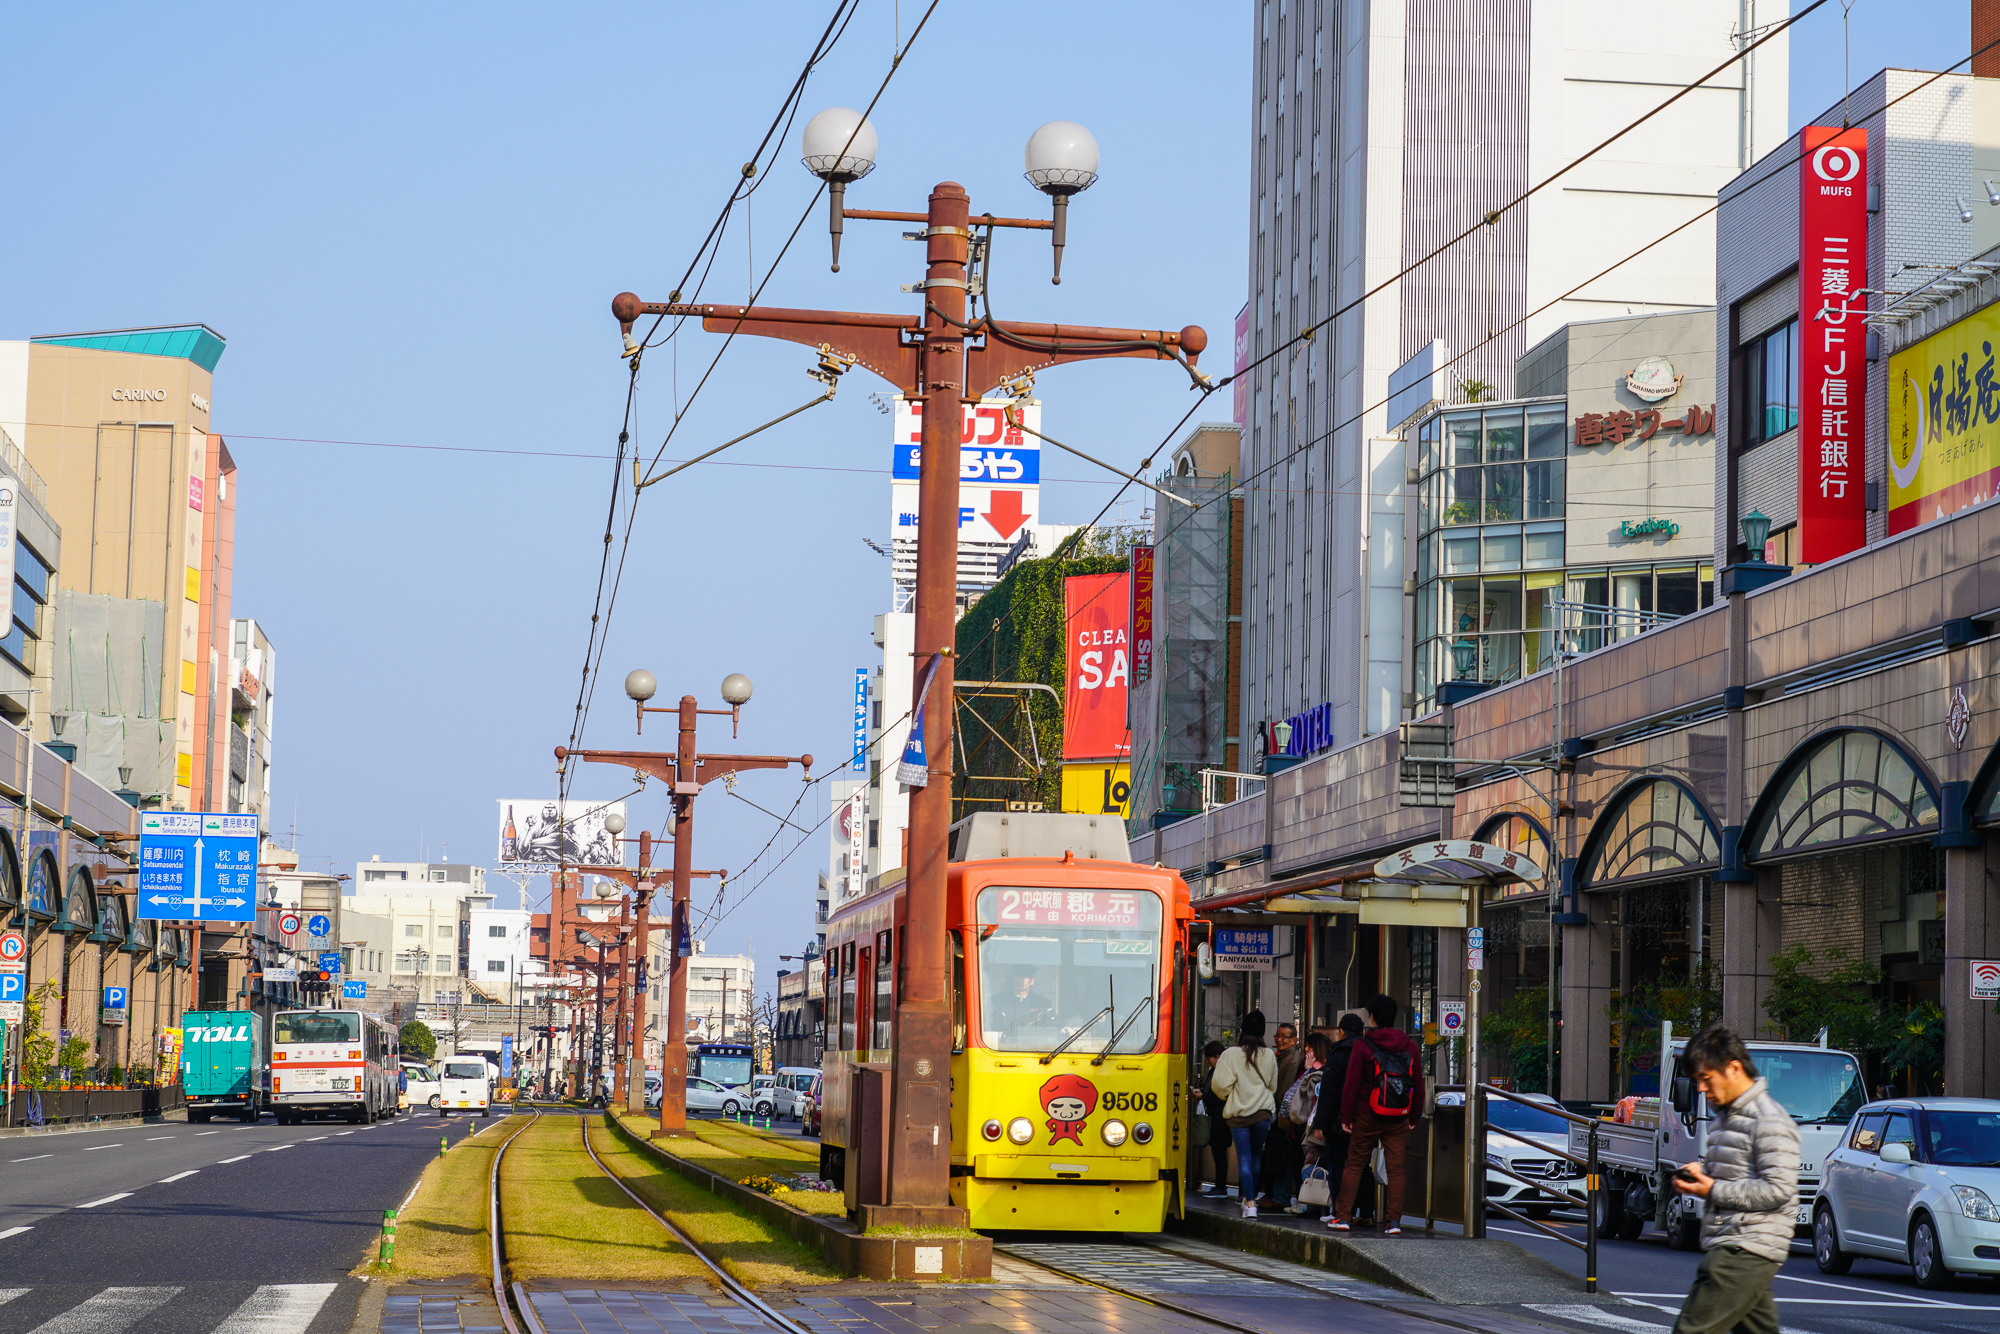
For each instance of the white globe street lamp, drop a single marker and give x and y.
(1061, 160)
(838, 146)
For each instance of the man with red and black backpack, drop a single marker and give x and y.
(1383, 1097)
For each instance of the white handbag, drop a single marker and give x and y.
(1316, 1188)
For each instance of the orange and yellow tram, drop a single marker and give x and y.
(1069, 1089)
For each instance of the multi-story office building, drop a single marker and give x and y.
(497, 962)
(1381, 133)
(721, 996)
(451, 880)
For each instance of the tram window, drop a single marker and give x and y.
(957, 992)
(1053, 962)
(847, 956)
(884, 1009)
(847, 1013)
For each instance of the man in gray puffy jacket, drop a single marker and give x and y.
(1751, 1185)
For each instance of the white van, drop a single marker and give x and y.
(424, 1090)
(790, 1088)
(464, 1083)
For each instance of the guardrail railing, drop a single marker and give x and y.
(1593, 1178)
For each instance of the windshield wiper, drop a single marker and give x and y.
(1145, 1004)
(1064, 1045)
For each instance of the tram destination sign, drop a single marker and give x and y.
(1068, 907)
(1245, 949)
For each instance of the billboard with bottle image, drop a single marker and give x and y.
(539, 834)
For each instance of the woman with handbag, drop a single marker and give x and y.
(1246, 1077)
(1300, 1104)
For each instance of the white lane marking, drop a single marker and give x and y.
(31, 1158)
(14, 1232)
(1871, 1292)
(108, 1199)
(199, 1133)
(179, 1176)
(95, 1147)
(343, 1132)
(311, 1138)
(278, 1308)
(108, 1312)
(150, 1139)
(237, 1159)
(279, 1147)
(9, 1294)
(1597, 1315)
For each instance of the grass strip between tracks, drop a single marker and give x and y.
(738, 1151)
(564, 1219)
(757, 1254)
(443, 1231)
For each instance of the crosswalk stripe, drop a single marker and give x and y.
(108, 1312)
(9, 1294)
(278, 1308)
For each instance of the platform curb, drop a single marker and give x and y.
(837, 1241)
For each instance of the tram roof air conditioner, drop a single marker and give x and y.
(994, 834)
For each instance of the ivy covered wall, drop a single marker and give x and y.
(1015, 633)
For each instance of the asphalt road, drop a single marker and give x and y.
(177, 1229)
(1874, 1296)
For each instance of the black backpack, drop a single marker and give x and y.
(1392, 1095)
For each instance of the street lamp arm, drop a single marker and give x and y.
(875, 341)
(660, 764)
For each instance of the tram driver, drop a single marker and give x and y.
(1021, 1007)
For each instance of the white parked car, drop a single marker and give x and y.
(1519, 1138)
(1915, 1181)
(705, 1095)
(424, 1087)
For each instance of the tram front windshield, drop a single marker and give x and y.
(1069, 965)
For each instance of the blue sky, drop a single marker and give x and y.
(409, 223)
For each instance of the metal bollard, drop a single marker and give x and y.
(1593, 1201)
(387, 1256)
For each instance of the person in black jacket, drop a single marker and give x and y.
(1326, 1118)
(1217, 1151)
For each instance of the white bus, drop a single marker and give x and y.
(333, 1062)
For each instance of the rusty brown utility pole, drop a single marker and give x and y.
(686, 770)
(929, 361)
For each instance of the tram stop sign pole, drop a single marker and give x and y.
(1477, 866)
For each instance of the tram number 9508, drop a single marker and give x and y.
(1131, 1102)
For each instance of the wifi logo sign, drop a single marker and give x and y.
(1986, 979)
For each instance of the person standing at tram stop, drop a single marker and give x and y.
(1381, 1101)
(1750, 1183)
(1247, 1080)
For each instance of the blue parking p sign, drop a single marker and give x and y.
(114, 998)
(13, 987)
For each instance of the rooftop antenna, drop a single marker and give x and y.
(1846, 63)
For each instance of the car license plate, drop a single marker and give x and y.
(1805, 1214)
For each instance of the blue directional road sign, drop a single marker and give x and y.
(359, 991)
(13, 987)
(195, 866)
(319, 924)
(329, 961)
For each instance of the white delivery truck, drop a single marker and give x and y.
(466, 1085)
(1819, 1086)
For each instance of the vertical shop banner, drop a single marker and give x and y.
(855, 821)
(1833, 266)
(1097, 613)
(1142, 615)
(859, 764)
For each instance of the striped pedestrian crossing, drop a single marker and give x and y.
(273, 1308)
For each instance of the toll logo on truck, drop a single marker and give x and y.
(218, 1035)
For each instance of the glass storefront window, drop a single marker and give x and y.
(1461, 436)
(1503, 437)
(1536, 614)
(1548, 432)
(1501, 548)
(1679, 592)
(1461, 554)
(1544, 546)
(1461, 497)
(1503, 493)
(1545, 489)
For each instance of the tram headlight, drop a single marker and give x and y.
(1142, 1133)
(991, 1130)
(1020, 1130)
(1114, 1133)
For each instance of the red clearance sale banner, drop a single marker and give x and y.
(1097, 608)
(1833, 265)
